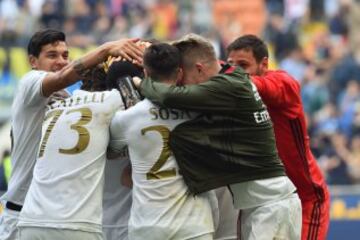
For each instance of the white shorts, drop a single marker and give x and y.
(227, 227)
(115, 232)
(280, 220)
(8, 221)
(40, 233)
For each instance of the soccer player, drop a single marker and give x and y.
(230, 143)
(117, 197)
(163, 208)
(64, 200)
(48, 57)
(281, 94)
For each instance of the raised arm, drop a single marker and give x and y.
(81, 68)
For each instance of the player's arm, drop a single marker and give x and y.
(81, 68)
(215, 95)
(277, 89)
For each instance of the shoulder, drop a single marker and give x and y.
(282, 76)
(230, 74)
(33, 76)
(30, 87)
(133, 112)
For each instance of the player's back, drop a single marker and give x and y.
(67, 185)
(162, 206)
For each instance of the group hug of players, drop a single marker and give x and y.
(162, 142)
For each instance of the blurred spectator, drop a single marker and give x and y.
(334, 167)
(355, 125)
(275, 7)
(338, 21)
(118, 29)
(165, 21)
(314, 92)
(347, 69)
(352, 158)
(201, 15)
(282, 37)
(83, 16)
(295, 9)
(140, 26)
(51, 15)
(294, 64)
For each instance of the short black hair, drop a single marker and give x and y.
(250, 43)
(121, 69)
(43, 37)
(161, 60)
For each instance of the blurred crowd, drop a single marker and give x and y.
(316, 41)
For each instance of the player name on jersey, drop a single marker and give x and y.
(96, 97)
(167, 113)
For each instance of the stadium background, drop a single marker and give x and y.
(316, 41)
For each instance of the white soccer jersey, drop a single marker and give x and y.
(27, 115)
(67, 186)
(162, 206)
(116, 201)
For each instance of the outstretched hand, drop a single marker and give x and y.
(127, 49)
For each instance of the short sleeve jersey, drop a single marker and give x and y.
(162, 206)
(27, 115)
(67, 186)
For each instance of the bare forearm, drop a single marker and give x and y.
(81, 68)
(78, 69)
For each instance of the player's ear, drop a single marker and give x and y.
(180, 77)
(33, 61)
(264, 64)
(199, 67)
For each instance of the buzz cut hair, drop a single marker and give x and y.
(194, 48)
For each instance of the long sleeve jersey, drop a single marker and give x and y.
(232, 141)
(281, 94)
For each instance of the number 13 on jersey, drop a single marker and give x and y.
(84, 135)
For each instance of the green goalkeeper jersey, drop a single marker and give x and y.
(231, 141)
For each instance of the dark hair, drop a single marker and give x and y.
(161, 60)
(97, 80)
(121, 69)
(250, 43)
(43, 37)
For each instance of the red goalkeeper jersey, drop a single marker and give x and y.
(281, 93)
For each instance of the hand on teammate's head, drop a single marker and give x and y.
(127, 49)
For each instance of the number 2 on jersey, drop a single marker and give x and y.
(154, 172)
(84, 135)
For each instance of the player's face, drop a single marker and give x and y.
(53, 57)
(246, 60)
